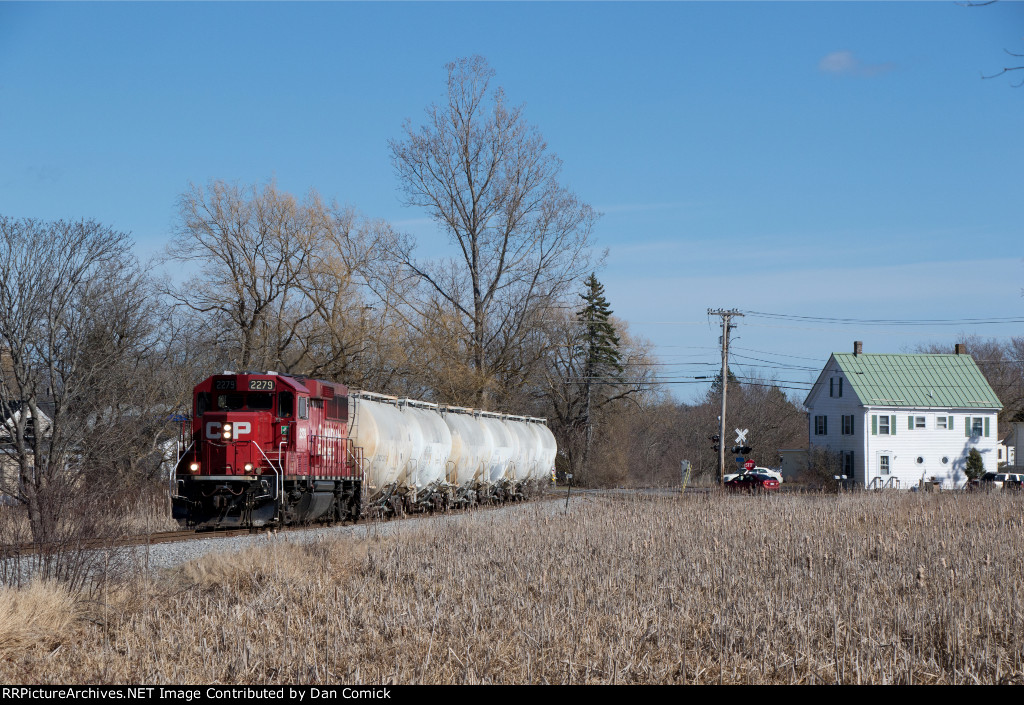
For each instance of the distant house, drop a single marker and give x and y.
(898, 419)
(1015, 446)
(10, 414)
(1006, 451)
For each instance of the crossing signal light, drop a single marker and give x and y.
(715, 439)
(741, 450)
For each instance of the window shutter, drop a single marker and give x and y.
(831, 386)
(840, 386)
(874, 424)
(986, 427)
(910, 423)
(892, 425)
(967, 427)
(950, 422)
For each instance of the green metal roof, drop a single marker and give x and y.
(917, 380)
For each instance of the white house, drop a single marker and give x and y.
(898, 419)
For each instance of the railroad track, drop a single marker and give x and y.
(29, 549)
(159, 537)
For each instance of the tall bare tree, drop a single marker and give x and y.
(487, 178)
(251, 246)
(72, 316)
(283, 282)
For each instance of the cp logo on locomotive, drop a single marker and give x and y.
(213, 428)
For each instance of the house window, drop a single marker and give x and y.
(883, 427)
(977, 425)
(919, 422)
(848, 425)
(940, 422)
(835, 387)
(848, 463)
(883, 464)
(820, 425)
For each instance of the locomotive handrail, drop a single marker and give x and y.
(174, 471)
(331, 452)
(277, 475)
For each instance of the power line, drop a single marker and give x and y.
(887, 321)
(778, 354)
(780, 367)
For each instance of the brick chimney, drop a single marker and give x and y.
(960, 349)
(858, 347)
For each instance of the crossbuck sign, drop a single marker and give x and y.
(741, 436)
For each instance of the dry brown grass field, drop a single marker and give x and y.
(852, 588)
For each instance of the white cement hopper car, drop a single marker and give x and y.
(433, 456)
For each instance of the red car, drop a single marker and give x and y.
(752, 482)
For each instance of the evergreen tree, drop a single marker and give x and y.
(715, 391)
(602, 362)
(975, 467)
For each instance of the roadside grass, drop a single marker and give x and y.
(850, 588)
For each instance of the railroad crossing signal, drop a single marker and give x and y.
(741, 436)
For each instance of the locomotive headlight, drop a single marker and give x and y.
(227, 435)
(194, 467)
(227, 428)
(248, 467)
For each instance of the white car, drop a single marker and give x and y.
(996, 479)
(760, 471)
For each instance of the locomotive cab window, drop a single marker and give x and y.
(285, 405)
(202, 403)
(230, 402)
(303, 407)
(260, 401)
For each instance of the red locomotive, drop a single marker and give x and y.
(266, 448)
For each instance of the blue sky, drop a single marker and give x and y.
(810, 158)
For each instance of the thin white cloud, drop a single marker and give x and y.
(845, 63)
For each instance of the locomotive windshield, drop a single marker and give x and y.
(264, 401)
(230, 402)
(255, 401)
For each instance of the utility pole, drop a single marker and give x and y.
(726, 327)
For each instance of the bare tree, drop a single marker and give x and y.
(72, 312)
(487, 179)
(251, 246)
(283, 282)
